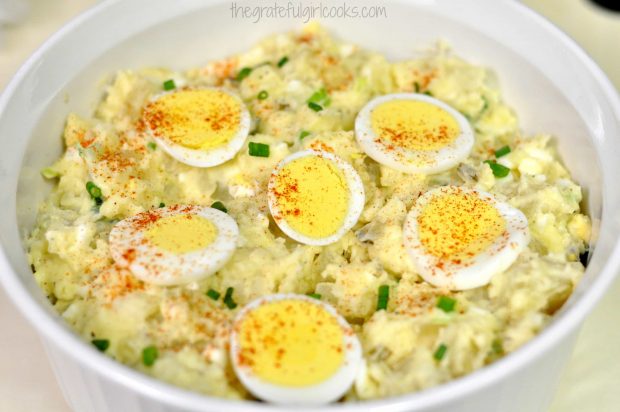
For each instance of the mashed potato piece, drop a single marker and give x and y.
(69, 245)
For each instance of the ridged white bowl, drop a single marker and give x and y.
(553, 85)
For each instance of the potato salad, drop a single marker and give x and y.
(308, 222)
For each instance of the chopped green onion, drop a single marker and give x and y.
(263, 95)
(320, 97)
(498, 169)
(315, 107)
(169, 85)
(213, 294)
(149, 355)
(315, 295)
(383, 297)
(503, 151)
(219, 206)
(49, 173)
(95, 192)
(243, 73)
(485, 105)
(446, 303)
(428, 93)
(283, 61)
(162, 204)
(258, 149)
(101, 344)
(303, 134)
(440, 352)
(497, 347)
(152, 145)
(416, 87)
(228, 299)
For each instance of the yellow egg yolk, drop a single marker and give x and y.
(201, 119)
(414, 125)
(458, 225)
(182, 233)
(312, 196)
(291, 343)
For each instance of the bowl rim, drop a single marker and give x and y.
(53, 328)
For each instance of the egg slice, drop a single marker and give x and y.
(174, 245)
(199, 127)
(315, 197)
(292, 349)
(459, 238)
(413, 133)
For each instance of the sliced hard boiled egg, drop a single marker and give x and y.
(293, 349)
(174, 245)
(315, 197)
(459, 238)
(413, 133)
(199, 127)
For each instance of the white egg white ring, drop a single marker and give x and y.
(356, 201)
(211, 157)
(413, 161)
(130, 248)
(478, 270)
(328, 391)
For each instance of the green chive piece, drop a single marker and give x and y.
(169, 85)
(315, 107)
(303, 134)
(263, 95)
(497, 347)
(151, 145)
(243, 73)
(162, 204)
(228, 299)
(49, 173)
(282, 61)
(503, 151)
(315, 295)
(485, 105)
(149, 355)
(320, 97)
(101, 344)
(219, 206)
(428, 93)
(258, 149)
(446, 303)
(95, 192)
(416, 87)
(583, 257)
(383, 297)
(498, 169)
(440, 352)
(213, 294)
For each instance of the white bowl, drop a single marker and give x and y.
(553, 85)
